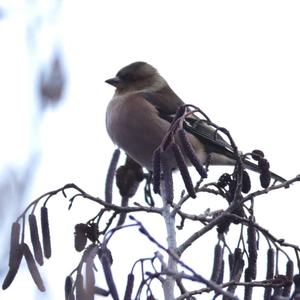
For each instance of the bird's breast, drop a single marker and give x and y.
(134, 125)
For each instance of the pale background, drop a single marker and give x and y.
(237, 60)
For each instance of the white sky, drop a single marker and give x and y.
(237, 60)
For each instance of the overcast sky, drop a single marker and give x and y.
(237, 60)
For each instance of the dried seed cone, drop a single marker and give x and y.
(92, 232)
(183, 170)
(246, 184)
(45, 232)
(257, 154)
(263, 164)
(80, 236)
(35, 274)
(35, 240)
(265, 179)
(224, 180)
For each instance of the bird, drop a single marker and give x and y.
(139, 116)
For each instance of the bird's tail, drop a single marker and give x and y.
(253, 167)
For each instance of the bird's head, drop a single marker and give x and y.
(136, 77)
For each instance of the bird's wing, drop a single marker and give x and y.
(164, 100)
(167, 102)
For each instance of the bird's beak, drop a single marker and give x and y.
(115, 81)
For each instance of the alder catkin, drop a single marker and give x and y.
(156, 170)
(14, 243)
(190, 153)
(289, 274)
(252, 250)
(217, 265)
(89, 271)
(248, 289)
(221, 274)
(14, 267)
(183, 170)
(79, 288)
(45, 232)
(68, 287)
(270, 272)
(167, 183)
(110, 176)
(106, 265)
(35, 240)
(35, 274)
(129, 286)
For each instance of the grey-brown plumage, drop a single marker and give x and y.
(134, 122)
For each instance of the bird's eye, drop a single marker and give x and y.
(127, 77)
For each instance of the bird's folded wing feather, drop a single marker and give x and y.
(167, 103)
